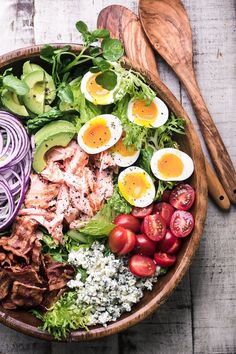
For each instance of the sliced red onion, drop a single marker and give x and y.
(15, 167)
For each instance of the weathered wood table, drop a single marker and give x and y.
(200, 317)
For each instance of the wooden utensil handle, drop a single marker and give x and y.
(215, 188)
(219, 154)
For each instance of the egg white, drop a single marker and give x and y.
(102, 101)
(125, 161)
(115, 127)
(186, 160)
(148, 197)
(161, 117)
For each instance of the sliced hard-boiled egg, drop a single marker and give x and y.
(94, 92)
(171, 165)
(153, 115)
(136, 186)
(100, 133)
(124, 156)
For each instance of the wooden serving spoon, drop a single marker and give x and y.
(167, 27)
(124, 25)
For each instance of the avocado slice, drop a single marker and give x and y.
(50, 93)
(59, 126)
(58, 133)
(59, 139)
(34, 100)
(11, 102)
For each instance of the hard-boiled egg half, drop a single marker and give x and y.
(94, 92)
(171, 165)
(136, 186)
(153, 115)
(124, 156)
(100, 133)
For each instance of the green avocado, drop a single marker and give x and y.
(50, 93)
(11, 102)
(34, 100)
(58, 133)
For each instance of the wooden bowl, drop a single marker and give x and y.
(24, 322)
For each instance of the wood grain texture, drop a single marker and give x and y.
(124, 25)
(167, 27)
(212, 324)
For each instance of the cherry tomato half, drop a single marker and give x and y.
(142, 266)
(121, 240)
(165, 210)
(128, 222)
(144, 245)
(181, 223)
(154, 227)
(164, 260)
(182, 197)
(142, 212)
(169, 243)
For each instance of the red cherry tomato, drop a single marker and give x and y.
(154, 227)
(182, 197)
(169, 243)
(166, 195)
(121, 240)
(142, 266)
(165, 210)
(142, 212)
(164, 260)
(117, 239)
(128, 222)
(181, 223)
(175, 247)
(129, 244)
(144, 245)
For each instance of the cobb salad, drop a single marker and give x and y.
(93, 207)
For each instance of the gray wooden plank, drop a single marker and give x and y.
(212, 273)
(16, 24)
(13, 342)
(102, 346)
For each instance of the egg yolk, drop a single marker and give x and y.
(121, 149)
(170, 166)
(134, 186)
(144, 114)
(96, 90)
(97, 134)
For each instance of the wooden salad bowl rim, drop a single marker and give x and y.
(25, 323)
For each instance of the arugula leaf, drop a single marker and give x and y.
(101, 33)
(47, 53)
(112, 49)
(82, 27)
(65, 93)
(107, 80)
(101, 64)
(65, 316)
(39, 121)
(12, 83)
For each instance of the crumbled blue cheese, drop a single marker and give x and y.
(110, 288)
